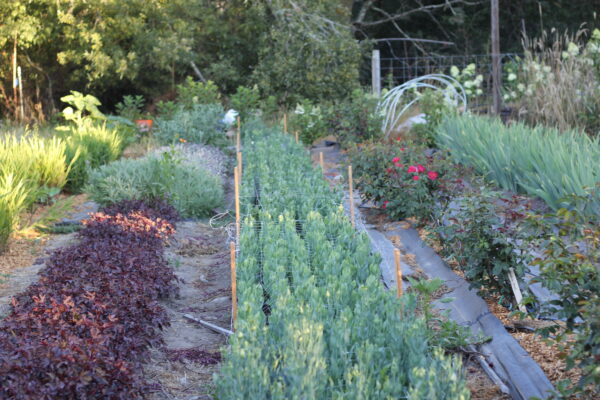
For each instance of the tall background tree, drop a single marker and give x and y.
(289, 48)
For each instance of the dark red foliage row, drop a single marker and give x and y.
(83, 329)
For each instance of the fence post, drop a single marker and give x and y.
(376, 73)
(398, 272)
(233, 283)
(351, 195)
(496, 74)
(236, 183)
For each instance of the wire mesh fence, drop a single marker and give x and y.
(397, 70)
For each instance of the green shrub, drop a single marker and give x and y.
(88, 147)
(191, 93)
(200, 124)
(480, 240)
(539, 161)
(245, 101)
(570, 243)
(354, 120)
(131, 107)
(309, 120)
(402, 179)
(434, 105)
(13, 200)
(191, 190)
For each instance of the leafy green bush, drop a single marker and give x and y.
(434, 105)
(191, 190)
(13, 200)
(354, 119)
(89, 147)
(309, 120)
(539, 161)
(476, 235)
(402, 179)
(131, 107)
(191, 93)
(245, 101)
(314, 320)
(569, 266)
(200, 124)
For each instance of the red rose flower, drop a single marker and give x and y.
(416, 178)
(396, 159)
(420, 168)
(385, 203)
(402, 148)
(398, 139)
(432, 175)
(398, 165)
(412, 169)
(389, 170)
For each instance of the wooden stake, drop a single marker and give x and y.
(398, 272)
(516, 289)
(285, 123)
(351, 195)
(296, 136)
(239, 161)
(321, 161)
(239, 141)
(233, 283)
(236, 182)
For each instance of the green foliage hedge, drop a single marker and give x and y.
(314, 320)
(540, 161)
(191, 190)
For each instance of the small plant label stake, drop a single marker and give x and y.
(238, 137)
(516, 289)
(296, 137)
(351, 194)
(233, 284)
(239, 161)
(236, 183)
(321, 161)
(398, 272)
(285, 123)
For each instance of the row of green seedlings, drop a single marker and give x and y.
(313, 319)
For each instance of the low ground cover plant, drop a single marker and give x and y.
(313, 319)
(82, 331)
(193, 191)
(539, 161)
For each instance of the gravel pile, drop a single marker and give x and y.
(208, 157)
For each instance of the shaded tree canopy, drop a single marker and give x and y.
(289, 48)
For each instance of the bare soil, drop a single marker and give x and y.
(183, 368)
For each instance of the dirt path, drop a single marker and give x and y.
(20, 278)
(183, 367)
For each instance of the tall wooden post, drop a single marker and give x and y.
(351, 194)
(376, 73)
(15, 80)
(496, 73)
(236, 182)
(21, 104)
(321, 161)
(238, 136)
(233, 283)
(285, 123)
(398, 273)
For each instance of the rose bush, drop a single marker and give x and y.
(405, 180)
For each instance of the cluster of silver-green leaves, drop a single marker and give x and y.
(314, 321)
